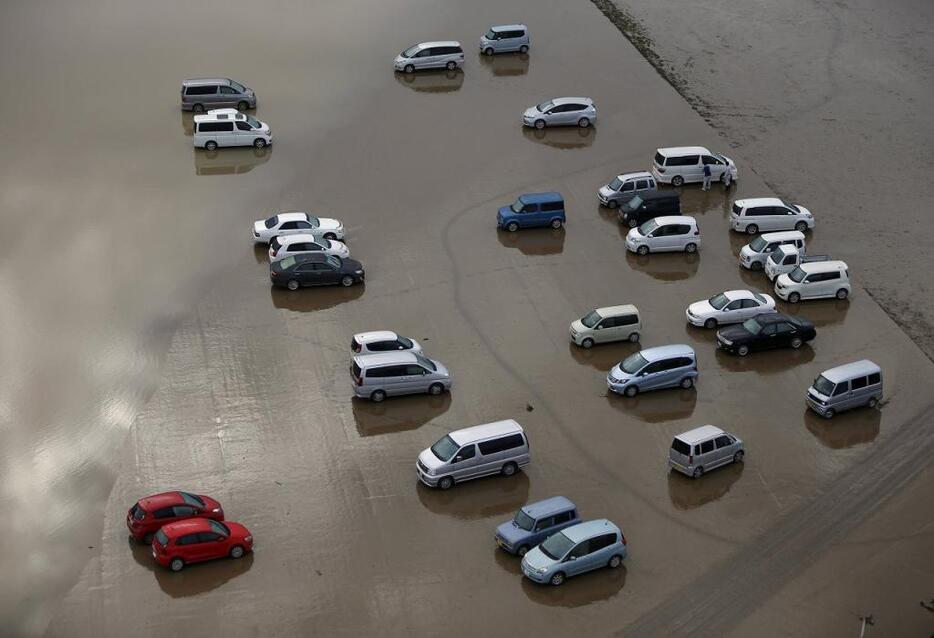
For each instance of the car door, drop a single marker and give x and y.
(212, 545)
(649, 377)
(708, 456)
(750, 308)
(544, 527)
(327, 273)
(642, 185)
(766, 339)
(531, 216)
(625, 191)
(576, 562)
(227, 97)
(724, 449)
(189, 548)
(212, 99)
(415, 378)
(605, 330)
(716, 167)
(829, 284)
(464, 462)
(601, 549)
(244, 133)
(732, 312)
(305, 274)
(658, 240)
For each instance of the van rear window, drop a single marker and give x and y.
(659, 159)
(355, 369)
(681, 447)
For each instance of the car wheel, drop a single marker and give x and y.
(556, 223)
(801, 226)
(642, 250)
(615, 561)
(873, 402)
(409, 68)
(691, 248)
(523, 49)
(539, 124)
(631, 391)
(435, 389)
(794, 298)
(828, 414)
(512, 227)
(210, 146)
(698, 472)
(587, 343)
(738, 457)
(557, 579)
(446, 483)
(176, 564)
(710, 324)
(236, 552)
(523, 550)
(843, 293)
(347, 280)
(259, 143)
(330, 236)
(612, 203)
(378, 396)
(242, 105)
(756, 265)
(488, 51)
(687, 382)
(292, 285)
(583, 122)
(677, 180)
(743, 350)
(632, 223)
(796, 343)
(198, 108)
(509, 469)
(752, 229)
(451, 65)
(634, 337)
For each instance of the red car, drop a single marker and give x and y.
(197, 539)
(146, 517)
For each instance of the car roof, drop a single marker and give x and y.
(295, 216)
(702, 433)
(634, 175)
(684, 150)
(485, 431)
(674, 219)
(776, 317)
(663, 352)
(537, 198)
(186, 526)
(823, 266)
(385, 358)
(571, 100)
(583, 531)
(647, 195)
(617, 310)
(285, 240)
(849, 370)
(158, 501)
(733, 295)
(759, 201)
(439, 43)
(548, 507)
(783, 235)
(375, 335)
(507, 27)
(202, 81)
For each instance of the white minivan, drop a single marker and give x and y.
(683, 164)
(769, 213)
(665, 234)
(228, 127)
(754, 254)
(816, 280)
(481, 450)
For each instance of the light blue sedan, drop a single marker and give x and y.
(575, 550)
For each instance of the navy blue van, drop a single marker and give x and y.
(534, 523)
(531, 210)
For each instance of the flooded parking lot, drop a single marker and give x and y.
(158, 357)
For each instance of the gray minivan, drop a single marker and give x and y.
(705, 448)
(851, 385)
(376, 376)
(481, 450)
(201, 94)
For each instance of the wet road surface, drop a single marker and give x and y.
(164, 360)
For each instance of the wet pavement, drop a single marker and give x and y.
(157, 356)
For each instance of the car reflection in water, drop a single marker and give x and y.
(664, 266)
(562, 137)
(687, 493)
(397, 414)
(846, 429)
(313, 299)
(230, 161)
(479, 498)
(506, 64)
(533, 241)
(821, 312)
(440, 81)
(194, 579)
(579, 591)
(603, 356)
(765, 362)
(657, 407)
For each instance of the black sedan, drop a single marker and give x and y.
(314, 269)
(774, 330)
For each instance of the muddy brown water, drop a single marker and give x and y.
(147, 351)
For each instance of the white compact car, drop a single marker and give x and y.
(664, 234)
(769, 213)
(732, 306)
(382, 341)
(285, 245)
(816, 280)
(561, 111)
(294, 223)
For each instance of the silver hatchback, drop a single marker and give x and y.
(561, 111)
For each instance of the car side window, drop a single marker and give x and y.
(750, 303)
(306, 267)
(563, 517)
(184, 510)
(875, 378)
(243, 126)
(654, 367)
(424, 53)
(642, 184)
(581, 549)
(706, 446)
(467, 452)
(226, 90)
(544, 523)
(550, 206)
(713, 161)
(627, 320)
(530, 208)
(830, 276)
(165, 512)
(209, 537)
(601, 542)
(768, 330)
(628, 186)
(734, 305)
(414, 370)
(784, 328)
(789, 260)
(859, 382)
(841, 388)
(289, 226)
(188, 539)
(723, 441)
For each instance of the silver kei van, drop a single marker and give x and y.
(201, 94)
(703, 449)
(851, 385)
(505, 38)
(376, 376)
(430, 55)
(481, 450)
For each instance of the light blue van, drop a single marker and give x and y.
(532, 210)
(653, 369)
(534, 523)
(575, 550)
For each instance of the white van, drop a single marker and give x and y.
(814, 281)
(228, 127)
(684, 164)
(602, 325)
(665, 234)
(494, 448)
(754, 254)
(769, 213)
(702, 449)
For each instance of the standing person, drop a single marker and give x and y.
(706, 177)
(727, 177)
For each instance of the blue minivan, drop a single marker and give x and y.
(534, 523)
(531, 210)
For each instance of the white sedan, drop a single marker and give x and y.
(285, 245)
(294, 223)
(732, 306)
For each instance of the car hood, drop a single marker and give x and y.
(416, 346)
(505, 211)
(701, 308)
(578, 326)
(259, 226)
(617, 373)
(429, 460)
(634, 235)
(326, 223)
(441, 369)
(746, 250)
(735, 333)
(510, 532)
(339, 247)
(535, 559)
(804, 211)
(606, 191)
(351, 265)
(532, 112)
(237, 531)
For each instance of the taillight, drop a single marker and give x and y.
(359, 380)
(625, 542)
(696, 232)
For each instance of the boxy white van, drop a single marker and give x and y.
(494, 448)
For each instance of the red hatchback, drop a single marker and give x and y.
(146, 517)
(198, 539)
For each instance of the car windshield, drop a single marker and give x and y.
(272, 221)
(220, 528)
(544, 106)
(236, 86)
(556, 546)
(616, 184)
(758, 244)
(408, 53)
(314, 221)
(405, 341)
(720, 157)
(162, 538)
(425, 361)
(138, 512)
(445, 449)
(633, 363)
(753, 326)
(718, 301)
(823, 385)
(517, 206)
(252, 121)
(591, 319)
(797, 275)
(335, 261)
(287, 263)
(191, 499)
(634, 203)
(648, 227)
(491, 35)
(791, 206)
(523, 521)
(777, 256)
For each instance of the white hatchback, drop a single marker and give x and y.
(769, 213)
(382, 341)
(294, 223)
(561, 111)
(285, 245)
(816, 280)
(665, 234)
(732, 306)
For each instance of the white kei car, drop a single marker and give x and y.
(732, 306)
(294, 223)
(285, 245)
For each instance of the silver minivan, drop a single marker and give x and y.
(505, 38)
(376, 376)
(481, 450)
(201, 94)
(653, 369)
(430, 55)
(703, 449)
(851, 385)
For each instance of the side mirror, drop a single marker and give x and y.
(570, 558)
(458, 458)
